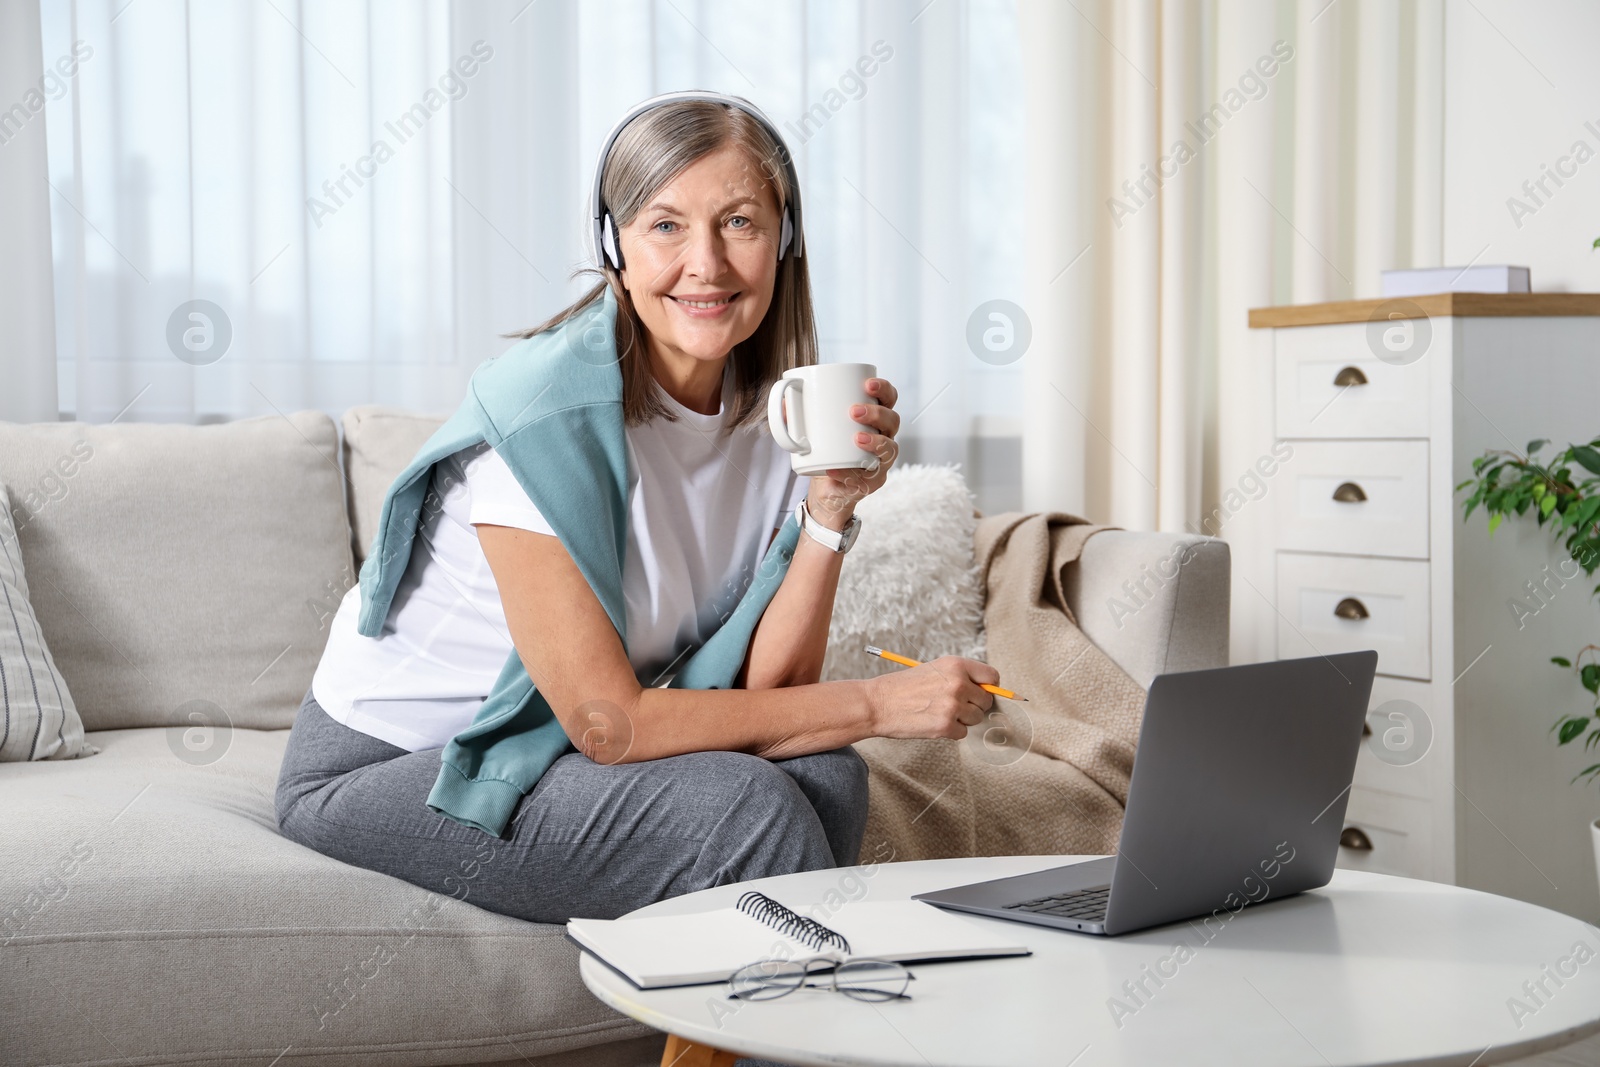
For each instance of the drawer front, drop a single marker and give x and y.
(1367, 497)
(1387, 597)
(1397, 829)
(1308, 362)
(1409, 769)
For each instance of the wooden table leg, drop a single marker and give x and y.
(681, 1053)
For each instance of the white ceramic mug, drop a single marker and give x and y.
(815, 426)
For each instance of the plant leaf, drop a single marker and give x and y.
(1494, 522)
(1588, 457)
(1571, 728)
(1561, 661)
(1586, 512)
(1535, 445)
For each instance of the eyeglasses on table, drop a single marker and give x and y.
(863, 978)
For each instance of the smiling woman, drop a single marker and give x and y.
(675, 735)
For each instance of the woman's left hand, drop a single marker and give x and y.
(833, 495)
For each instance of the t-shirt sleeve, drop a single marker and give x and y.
(797, 492)
(497, 498)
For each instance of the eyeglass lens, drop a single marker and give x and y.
(871, 979)
(766, 979)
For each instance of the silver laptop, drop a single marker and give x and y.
(1237, 797)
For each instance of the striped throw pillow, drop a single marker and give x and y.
(39, 719)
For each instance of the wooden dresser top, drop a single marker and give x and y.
(1438, 305)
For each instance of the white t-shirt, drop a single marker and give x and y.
(701, 512)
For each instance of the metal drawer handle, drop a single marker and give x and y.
(1355, 839)
(1349, 493)
(1351, 608)
(1350, 376)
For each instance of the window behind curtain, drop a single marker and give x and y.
(366, 196)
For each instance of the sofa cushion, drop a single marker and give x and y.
(379, 443)
(150, 912)
(40, 719)
(182, 574)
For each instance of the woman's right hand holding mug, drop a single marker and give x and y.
(940, 698)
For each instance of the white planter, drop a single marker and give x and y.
(1594, 832)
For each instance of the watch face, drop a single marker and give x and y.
(848, 534)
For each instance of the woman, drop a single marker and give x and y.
(683, 788)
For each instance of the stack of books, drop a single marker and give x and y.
(1422, 281)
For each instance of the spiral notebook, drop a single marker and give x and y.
(673, 950)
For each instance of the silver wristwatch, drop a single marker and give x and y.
(836, 540)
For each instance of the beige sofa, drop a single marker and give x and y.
(150, 913)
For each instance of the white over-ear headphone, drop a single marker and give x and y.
(606, 248)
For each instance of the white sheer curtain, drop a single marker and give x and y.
(372, 194)
(27, 341)
(188, 162)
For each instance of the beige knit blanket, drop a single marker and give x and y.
(1045, 777)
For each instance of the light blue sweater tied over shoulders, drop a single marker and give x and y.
(552, 407)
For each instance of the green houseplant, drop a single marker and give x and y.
(1506, 483)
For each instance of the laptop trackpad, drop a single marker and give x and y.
(1000, 892)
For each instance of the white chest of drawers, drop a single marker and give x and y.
(1373, 411)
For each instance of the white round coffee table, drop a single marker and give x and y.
(1370, 970)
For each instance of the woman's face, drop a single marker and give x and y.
(710, 236)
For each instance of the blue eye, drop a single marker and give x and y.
(747, 221)
(663, 222)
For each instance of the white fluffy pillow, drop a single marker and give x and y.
(909, 584)
(40, 721)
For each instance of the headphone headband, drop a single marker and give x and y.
(605, 227)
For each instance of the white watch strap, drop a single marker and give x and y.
(832, 540)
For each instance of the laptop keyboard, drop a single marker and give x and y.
(1086, 905)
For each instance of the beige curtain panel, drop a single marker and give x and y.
(1189, 161)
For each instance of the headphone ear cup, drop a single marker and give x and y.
(787, 235)
(608, 241)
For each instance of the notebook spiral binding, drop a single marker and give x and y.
(802, 928)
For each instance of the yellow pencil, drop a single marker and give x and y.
(874, 650)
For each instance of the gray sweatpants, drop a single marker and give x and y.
(590, 840)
